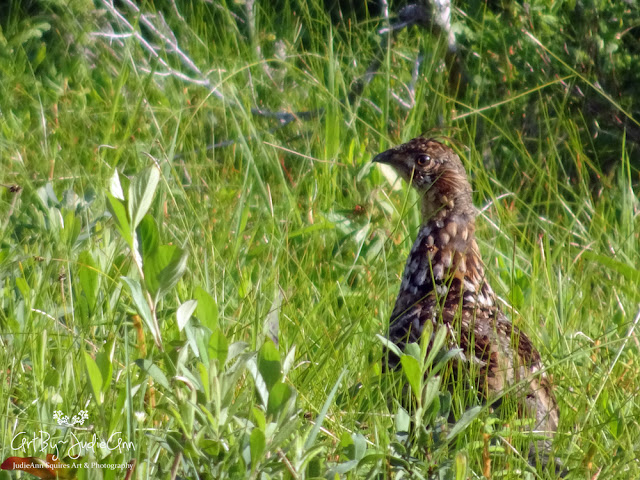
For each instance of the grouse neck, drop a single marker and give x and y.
(441, 203)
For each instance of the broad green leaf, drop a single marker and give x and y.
(244, 285)
(443, 402)
(187, 410)
(360, 446)
(402, 420)
(413, 350)
(119, 215)
(425, 340)
(174, 269)
(88, 277)
(260, 384)
(211, 447)
(203, 371)
(392, 347)
(461, 466)
(71, 229)
(269, 364)
(143, 309)
(260, 419)
(148, 237)
(23, 286)
(516, 296)
(207, 310)
(141, 193)
(288, 361)
(104, 361)
(258, 444)
(438, 342)
(137, 258)
(95, 378)
(192, 332)
(467, 417)
(173, 439)
(218, 346)
(237, 349)
(411, 369)
(199, 336)
(154, 264)
(180, 362)
(342, 468)
(278, 398)
(115, 187)
(50, 197)
(375, 459)
(442, 361)
(430, 391)
(82, 309)
(346, 442)
(184, 313)
(272, 321)
(292, 426)
(153, 371)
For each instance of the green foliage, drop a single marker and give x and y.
(221, 308)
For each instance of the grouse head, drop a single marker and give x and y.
(436, 172)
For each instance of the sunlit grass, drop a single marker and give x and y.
(294, 227)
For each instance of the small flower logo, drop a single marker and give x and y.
(63, 420)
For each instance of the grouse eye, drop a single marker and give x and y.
(423, 160)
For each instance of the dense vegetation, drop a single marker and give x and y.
(212, 282)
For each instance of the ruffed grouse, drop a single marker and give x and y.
(444, 283)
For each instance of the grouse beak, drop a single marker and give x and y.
(397, 161)
(384, 157)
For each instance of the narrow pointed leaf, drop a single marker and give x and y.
(389, 345)
(467, 417)
(88, 278)
(141, 193)
(143, 308)
(207, 310)
(119, 215)
(105, 366)
(154, 372)
(411, 369)
(258, 444)
(165, 269)
(260, 384)
(115, 187)
(438, 342)
(218, 346)
(278, 398)
(430, 392)
(148, 237)
(184, 313)
(95, 378)
(269, 364)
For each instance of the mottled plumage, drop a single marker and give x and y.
(444, 283)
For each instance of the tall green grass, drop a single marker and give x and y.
(295, 228)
